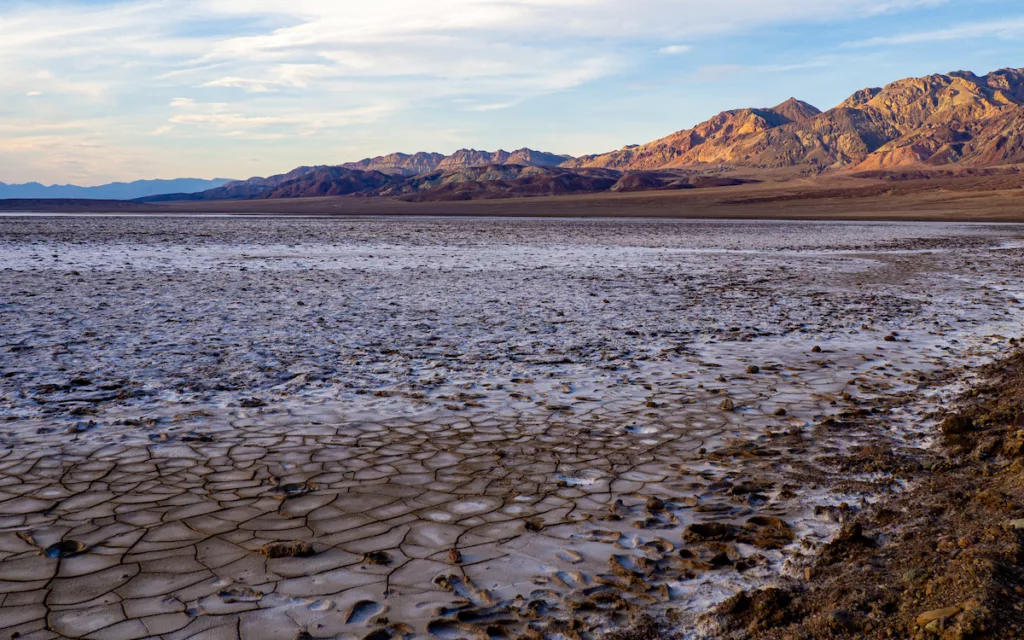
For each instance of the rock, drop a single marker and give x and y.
(727, 405)
(780, 412)
(753, 369)
(293, 549)
(655, 505)
(377, 557)
(239, 593)
(64, 549)
(936, 615)
(702, 531)
(852, 533)
(619, 508)
(956, 425)
(294, 489)
(721, 559)
(816, 349)
(571, 556)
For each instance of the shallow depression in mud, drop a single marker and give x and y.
(343, 427)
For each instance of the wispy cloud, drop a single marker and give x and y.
(491, 107)
(1004, 29)
(229, 119)
(321, 69)
(726, 72)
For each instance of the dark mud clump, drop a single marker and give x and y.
(942, 560)
(293, 549)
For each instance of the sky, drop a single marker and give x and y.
(93, 91)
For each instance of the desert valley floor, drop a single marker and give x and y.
(227, 427)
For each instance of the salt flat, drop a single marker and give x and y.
(458, 427)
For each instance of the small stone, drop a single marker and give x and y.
(890, 338)
(816, 349)
(938, 614)
(239, 593)
(293, 549)
(966, 541)
(377, 557)
(727, 405)
(852, 533)
(753, 369)
(780, 412)
(64, 549)
(570, 556)
(294, 489)
(454, 556)
(957, 425)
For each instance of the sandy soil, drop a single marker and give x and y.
(750, 203)
(982, 198)
(402, 427)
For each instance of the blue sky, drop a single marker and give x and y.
(93, 91)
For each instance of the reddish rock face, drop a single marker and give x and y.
(957, 118)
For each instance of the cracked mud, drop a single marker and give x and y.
(377, 428)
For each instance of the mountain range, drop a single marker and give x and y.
(112, 191)
(944, 120)
(957, 120)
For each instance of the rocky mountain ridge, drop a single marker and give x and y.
(957, 119)
(403, 164)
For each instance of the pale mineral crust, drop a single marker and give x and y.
(410, 428)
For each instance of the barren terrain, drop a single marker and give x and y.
(277, 427)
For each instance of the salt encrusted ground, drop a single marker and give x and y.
(481, 428)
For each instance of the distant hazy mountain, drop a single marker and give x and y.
(113, 191)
